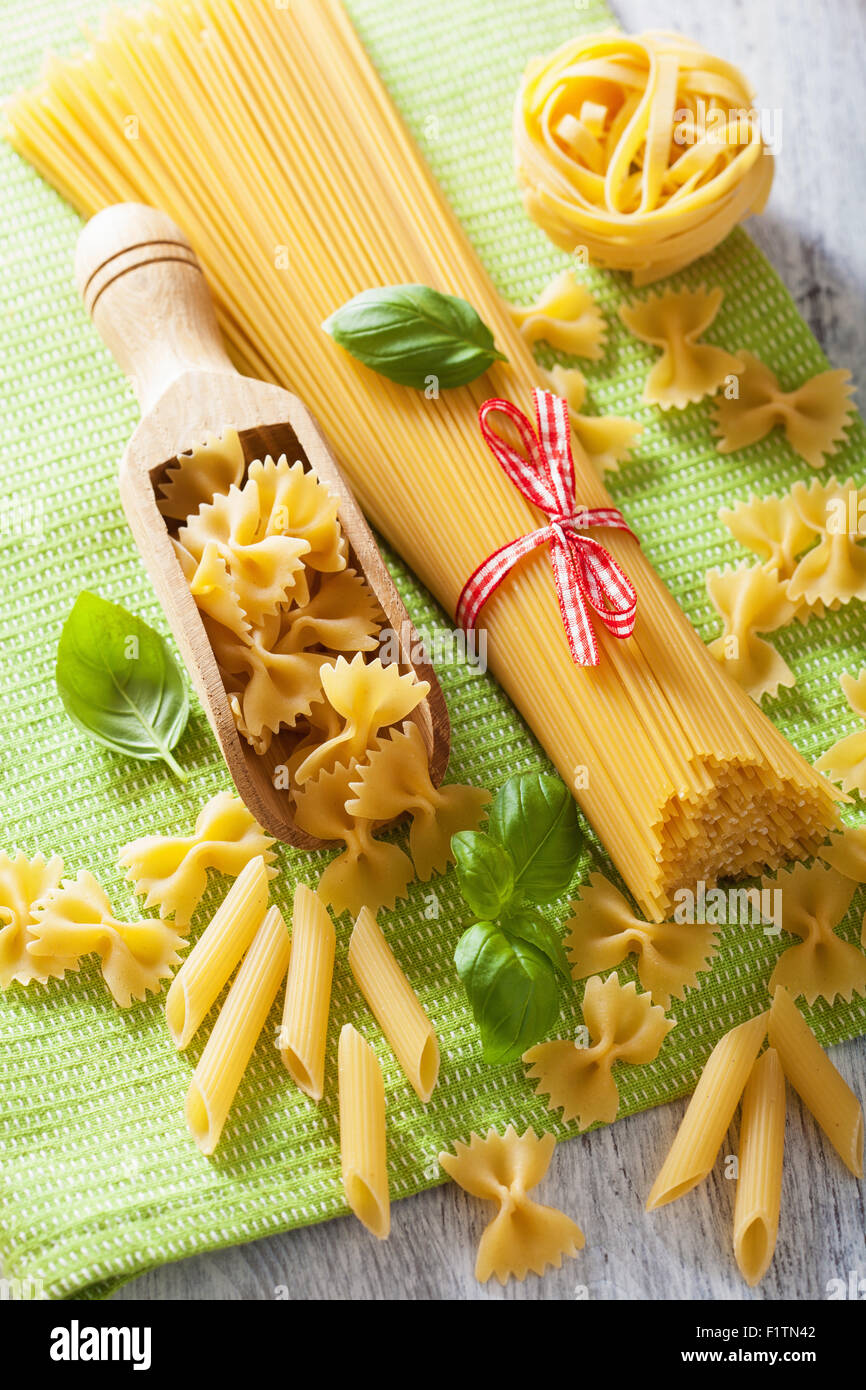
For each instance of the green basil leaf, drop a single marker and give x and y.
(120, 683)
(512, 989)
(530, 926)
(410, 333)
(485, 872)
(534, 817)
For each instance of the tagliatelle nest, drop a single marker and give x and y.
(639, 153)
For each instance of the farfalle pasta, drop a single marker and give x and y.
(396, 778)
(834, 570)
(812, 561)
(750, 600)
(687, 370)
(170, 871)
(24, 883)
(322, 723)
(200, 474)
(814, 902)
(342, 616)
(845, 762)
(640, 152)
(215, 593)
(607, 440)
(565, 316)
(623, 1026)
(266, 562)
(772, 528)
(847, 853)
(368, 696)
(267, 566)
(814, 417)
(76, 919)
(523, 1236)
(603, 931)
(296, 503)
(369, 872)
(280, 687)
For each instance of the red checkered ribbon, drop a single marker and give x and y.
(588, 579)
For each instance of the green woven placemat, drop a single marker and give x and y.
(99, 1178)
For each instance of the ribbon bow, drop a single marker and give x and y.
(586, 575)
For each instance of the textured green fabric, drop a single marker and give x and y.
(98, 1176)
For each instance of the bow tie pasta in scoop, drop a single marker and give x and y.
(638, 153)
(369, 872)
(396, 779)
(368, 696)
(297, 634)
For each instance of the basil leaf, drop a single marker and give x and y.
(410, 333)
(534, 817)
(485, 872)
(120, 683)
(512, 989)
(531, 927)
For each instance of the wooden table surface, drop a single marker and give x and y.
(807, 64)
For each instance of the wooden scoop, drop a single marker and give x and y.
(147, 296)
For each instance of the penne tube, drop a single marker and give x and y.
(394, 1004)
(363, 1144)
(817, 1082)
(709, 1113)
(759, 1167)
(216, 953)
(240, 1021)
(304, 1030)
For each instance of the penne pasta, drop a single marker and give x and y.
(709, 1113)
(216, 953)
(304, 1030)
(363, 1144)
(394, 1004)
(241, 1020)
(759, 1175)
(817, 1082)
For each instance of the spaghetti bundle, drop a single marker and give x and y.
(641, 153)
(267, 135)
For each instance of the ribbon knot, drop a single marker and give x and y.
(587, 577)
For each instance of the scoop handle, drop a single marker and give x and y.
(145, 290)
